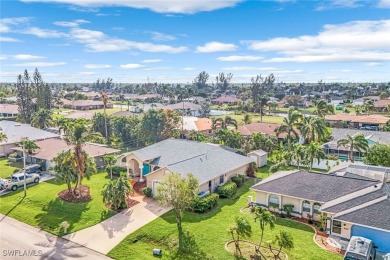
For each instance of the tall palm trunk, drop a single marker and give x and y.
(351, 154)
(105, 124)
(79, 157)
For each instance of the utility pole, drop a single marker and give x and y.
(24, 168)
(182, 122)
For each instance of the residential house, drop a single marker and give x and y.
(225, 100)
(84, 104)
(357, 121)
(211, 164)
(16, 131)
(186, 108)
(268, 129)
(351, 203)
(192, 123)
(49, 148)
(382, 105)
(9, 110)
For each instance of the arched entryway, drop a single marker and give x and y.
(133, 168)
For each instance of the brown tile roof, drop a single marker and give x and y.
(382, 103)
(265, 128)
(368, 119)
(49, 148)
(203, 124)
(9, 109)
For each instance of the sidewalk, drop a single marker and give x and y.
(107, 234)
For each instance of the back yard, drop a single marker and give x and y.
(209, 234)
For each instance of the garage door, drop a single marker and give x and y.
(380, 238)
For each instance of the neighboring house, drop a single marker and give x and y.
(146, 107)
(92, 95)
(80, 115)
(192, 123)
(372, 137)
(84, 104)
(352, 203)
(259, 157)
(382, 105)
(198, 100)
(49, 148)
(268, 129)
(142, 98)
(211, 164)
(9, 110)
(358, 121)
(186, 108)
(15, 131)
(225, 100)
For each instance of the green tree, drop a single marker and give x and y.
(179, 193)
(313, 129)
(224, 122)
(261, 89)
(42, 119)
(116, 192)
(290, 124)
(379, 154)
(264, 217)
(197, 136)
(104, 98)
(24, 94)
(314, 151)
(230, 138)
(356, 142)
(299, 154)
(63, 168)
(247, 119)
(368, 106)
(201, 80)
(157, 125)
(99, 123)
(3, 137)
(322, 108)
(240, 229)
(265, 143)
(204, 110)
(283, 240)
(109, 161)
(28, 145)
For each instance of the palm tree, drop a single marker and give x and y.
(240, 228)
(28, 145)
(265, 218)
(3, 137)
(42, 119)
(116, 192)
(368, 106)
(356, 142)
(104, 97)
(299, 154)
(224, 123)
(322, 108)
(314, 151)
(109, 161)
(283, 240)
(290, 124)
(247, 119)
(63, 169)
(313, 129)
(77, 135)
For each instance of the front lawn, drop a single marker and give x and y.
(42, 208)
(7, 168)
(255, 118)
(209, 231)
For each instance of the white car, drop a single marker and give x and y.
(17, 180)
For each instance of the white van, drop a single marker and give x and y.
(360, 248)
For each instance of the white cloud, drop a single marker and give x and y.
(152, 61)
(384, 4)
(8, 39)
(157, 36)
(74, 23)
(267, 69)
(3, 57)
(161, 6)
(43, 33)
(40, 64)
(87, 73)
(5, 23)
(132, 66)
(216, 47)
(189, 69)
(333, 4)
(356, 41)
(373, 64)
(97, 66)
(27, 57)
(240, 58)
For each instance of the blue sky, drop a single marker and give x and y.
(172, 41)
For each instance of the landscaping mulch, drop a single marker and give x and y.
(248, 251)
(82, 196)
(130, 203)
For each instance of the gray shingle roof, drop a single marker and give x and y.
(376, 215)
(15, 131)
(313, 186)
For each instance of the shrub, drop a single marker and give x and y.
(238, 180)
(227, 190)
(148, 192)
(288, 208)
(117, 170)
(251, 171)
(206, 203)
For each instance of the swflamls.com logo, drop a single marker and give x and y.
(20, 253)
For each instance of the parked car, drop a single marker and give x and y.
(33, 168)
(17, 180)
(360, 248)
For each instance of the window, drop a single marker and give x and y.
(306, 206)
(221, 179)
(274, 201)
(124, 159)
(336, 227)
(316, 208)
(21, 178)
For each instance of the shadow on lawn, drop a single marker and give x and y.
(9, 211)
(57, 211)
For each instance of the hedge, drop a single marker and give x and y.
(238, 180)
(147, 192)
(206, 203)
(227, 190)
(116, 170)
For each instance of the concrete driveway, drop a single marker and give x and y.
(21, 241)
(107, 234)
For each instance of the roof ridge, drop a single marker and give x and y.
(361, 206)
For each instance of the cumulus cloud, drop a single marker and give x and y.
(6, 23)
(74, 23)
(216, 47)
(27, 57)
(8, 39)
(384, 4)
(356, 41)
(189, 69)
(152, 61)
(240, 58)
(161, 6)
(157, 36)
(40, 64)
(97, 66)
(132, 66)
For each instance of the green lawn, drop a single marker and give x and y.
(41, 208)
(210, 234)
(7, 168)
(255, 118)
(109, 111)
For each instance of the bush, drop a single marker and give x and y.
(227, 190)
(238, 180)
(147, 192)
(206, 203)
(251, 171)
(117, 170)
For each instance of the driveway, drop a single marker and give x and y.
(107, 234)
(21, 241)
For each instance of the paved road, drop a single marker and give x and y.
(112, 231)
(21, 241)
